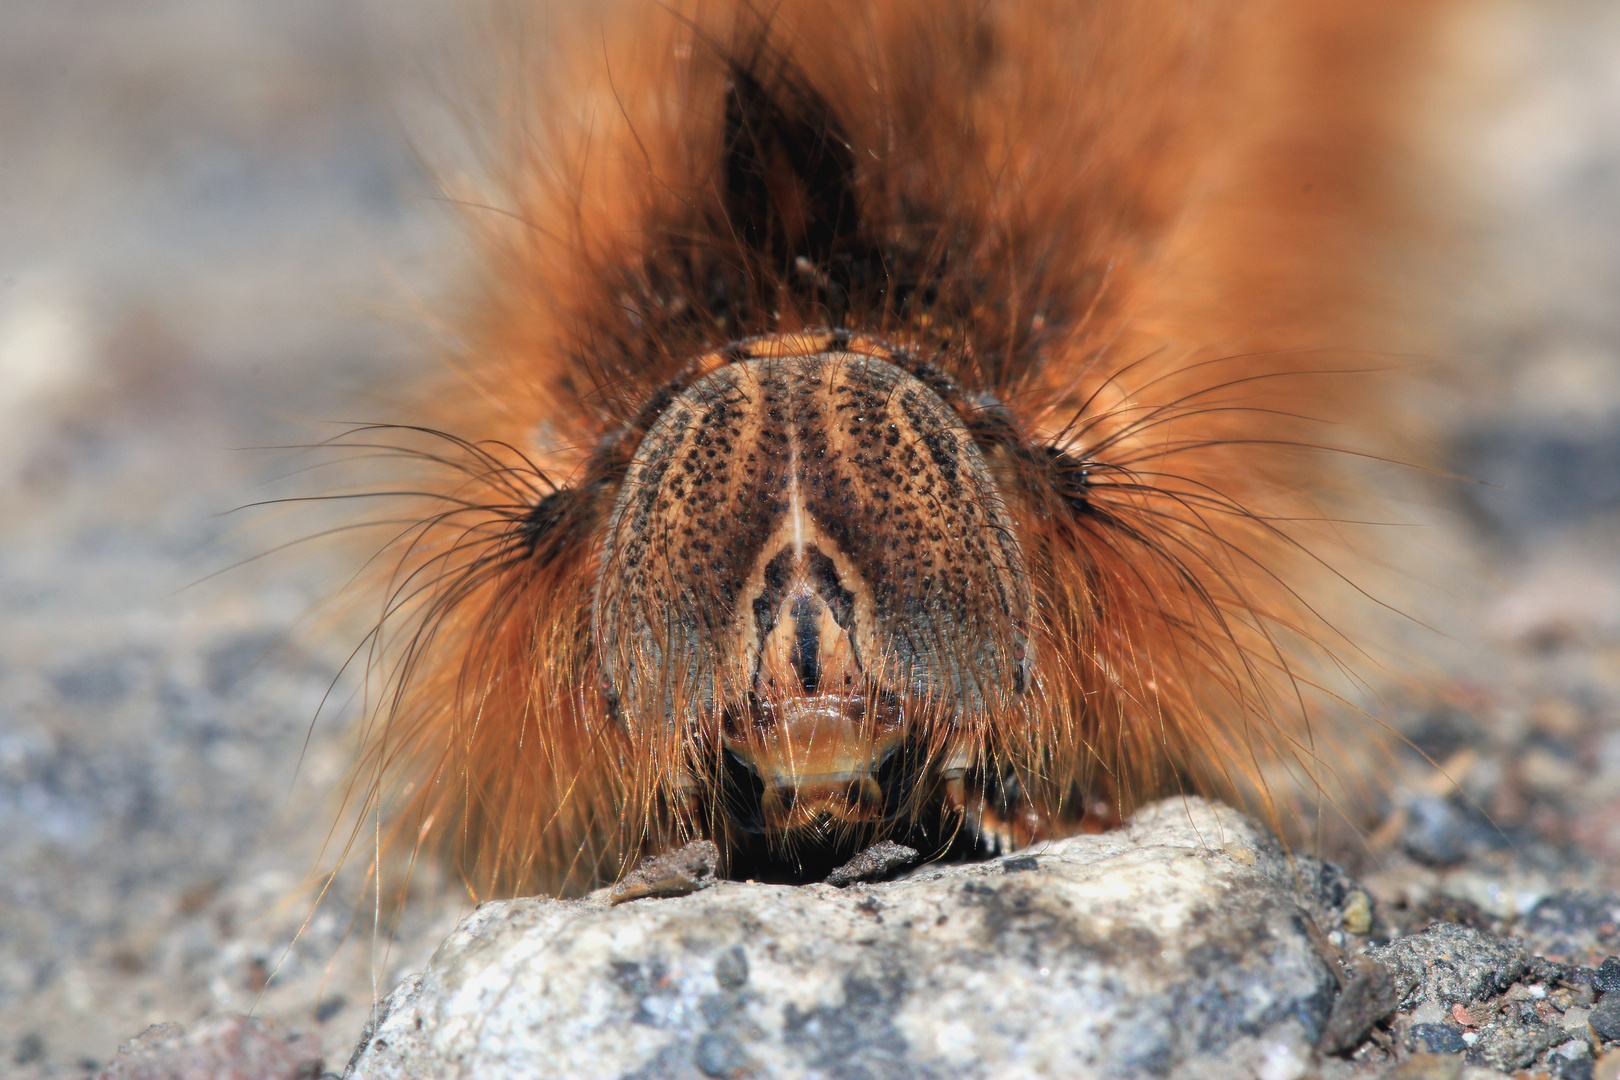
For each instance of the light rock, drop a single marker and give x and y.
(1175, 946)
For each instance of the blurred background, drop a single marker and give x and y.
(216, 234)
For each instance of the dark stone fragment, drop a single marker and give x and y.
(674, 873)
(1608, 975)
(1537, 476)
(1572, 910)
(1439, 832)
(1020, 863)
(1553, 973)
(1367, 998)
(1324, 882)
(228, 664)
(877, 861)
(1442, 731)
(731, 969)
(1438, 1039)
(1578, 1069)
(1605, 1019)
(329, 1007)
(719, 1055)
(94, 686)
(1434, 833)
(30, 1048)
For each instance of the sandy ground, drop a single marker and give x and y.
(213, 233)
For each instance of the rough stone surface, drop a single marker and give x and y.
(1452, 965)
(1174, 947)
(1513, 1038)
(227, 1047)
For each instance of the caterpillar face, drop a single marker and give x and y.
(810, 567)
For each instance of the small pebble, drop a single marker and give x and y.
(1453, 964)
(1438, 1038)
(877, 861)
(674, 873)
(731, 969)
(1578, 1069)
(1571, 1050)
(1608, 975)
(1436, 832)
(1358, 913)
(719, 1056)
(1605, 1018)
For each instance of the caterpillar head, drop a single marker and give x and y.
(810, 588)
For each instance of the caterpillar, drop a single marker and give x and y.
(910, 420)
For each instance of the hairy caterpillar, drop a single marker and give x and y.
(896, 420)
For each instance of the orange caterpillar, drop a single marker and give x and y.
(888, 420)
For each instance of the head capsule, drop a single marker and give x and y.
(810, 591)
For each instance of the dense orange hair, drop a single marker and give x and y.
(1141, 237)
